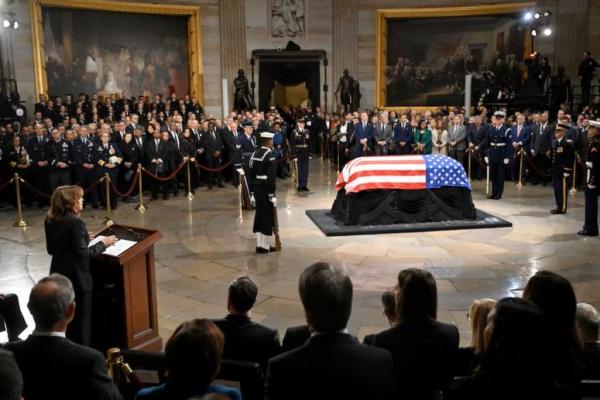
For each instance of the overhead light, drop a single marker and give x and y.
(547, 13)
(528, 16)
(547, 31)
(534, 32)
(6, 23)
(16, 25)
(537, 15)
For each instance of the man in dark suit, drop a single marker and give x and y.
(332, 364)
(246, 340)
(541, 142)
(11, 380)
(213, 147)
(53, 367)
(294, 337)
(363, 133)
(157, 157)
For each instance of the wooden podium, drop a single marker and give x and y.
(124, 303)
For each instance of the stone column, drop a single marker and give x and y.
(233, 41)
(345, 41)
(571, 32)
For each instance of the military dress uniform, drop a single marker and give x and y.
(59, 151)
(108, 154)
(300, 150)
(19, 162)
(84, 152)
(263, 171)
(562, 156)
(592, 180)
(38, 152)
(497, 143)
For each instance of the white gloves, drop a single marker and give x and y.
(506, 161)
(274, 201)
(487, 160)
(566, 175)
(252, 201)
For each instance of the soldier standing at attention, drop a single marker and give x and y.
(263, 172)
(497, 142)
(300, 149)
(592, 179)
(563, 155)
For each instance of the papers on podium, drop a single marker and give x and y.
(116, 249)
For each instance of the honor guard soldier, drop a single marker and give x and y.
(59, 159)
(85, 159)
(248, 146)
(109, 158)
(300, 149)
(562, 156)
(592, 179)
(497, 142)
(263, 171)
(38, 152)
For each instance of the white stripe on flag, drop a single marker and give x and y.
(384, 179)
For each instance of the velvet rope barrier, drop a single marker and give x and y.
(535, 167)
(5, 184)
(167, 178)
(34, 189)
(207, 169)
(129, 191)
(93, 185)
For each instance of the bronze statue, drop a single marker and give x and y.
(349, 91)
(242, 98)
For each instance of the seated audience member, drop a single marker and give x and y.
(53, 367)
(11, 381)
(295, 337)
(468, 358)
(588, 330)
(246, 340)
(514, 365)
(332, 364)
(388, 299)
(193, 355)
(11, 318)
(423, 348)
(555, 297)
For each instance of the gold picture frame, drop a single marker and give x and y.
(383, 15)
(193, 14)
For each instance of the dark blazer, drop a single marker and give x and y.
(423, 352)
(211, 144)
(152, 152)
(67, 242)
(363, 133)
(331, 366)
(57, 368)
(541, 141)
(294, 337)
(248, 341)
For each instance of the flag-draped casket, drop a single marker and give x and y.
(402, 189)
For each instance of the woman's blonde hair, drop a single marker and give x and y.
(63, 201)
(478, 313)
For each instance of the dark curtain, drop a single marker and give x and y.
(288, 73)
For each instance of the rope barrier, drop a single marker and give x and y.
(535, 167)
(167, 178)
(207, 169)
(93, 185)
(34, 189)
(129, 191)
(5, 184)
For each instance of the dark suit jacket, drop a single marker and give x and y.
(56, 368)
(67, 243)
(423, 354)
(541, 141)
(248, 341)
(152, 152)
(294, 337)
(331, 366)
(363, 133)
(211, 144)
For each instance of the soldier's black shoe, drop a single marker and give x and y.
(583, 232)
(491, 196)
(557, 211)
(306, 189)
(497, 197)
(260, 250)
(272, 249)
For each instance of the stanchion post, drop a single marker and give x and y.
(108, 221)
(19, 223)
(487, 179)
(520, 183)
(573, 190)
(337, 164)
(140, 207)
(189, 181)
(469, 163)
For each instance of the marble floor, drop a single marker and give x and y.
(207, 242)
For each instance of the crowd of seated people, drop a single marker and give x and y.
(541, 345)
(80, 141)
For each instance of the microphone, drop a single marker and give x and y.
(134, 233)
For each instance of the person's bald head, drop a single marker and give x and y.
(52, 303)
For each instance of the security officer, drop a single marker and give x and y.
(300, 149)
(85, 158)
(497, 142)
(592, 179)
(59, 159)
(248, 144)
(562, 155)
(109, 158)
(263, 171)
(38, 152)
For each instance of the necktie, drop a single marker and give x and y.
(213, 135)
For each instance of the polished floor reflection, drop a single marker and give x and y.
(207, 242)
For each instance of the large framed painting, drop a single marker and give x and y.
(105, 47)
(423, 54)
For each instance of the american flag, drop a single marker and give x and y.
(431, 171)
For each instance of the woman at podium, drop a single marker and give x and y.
(67, 241)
